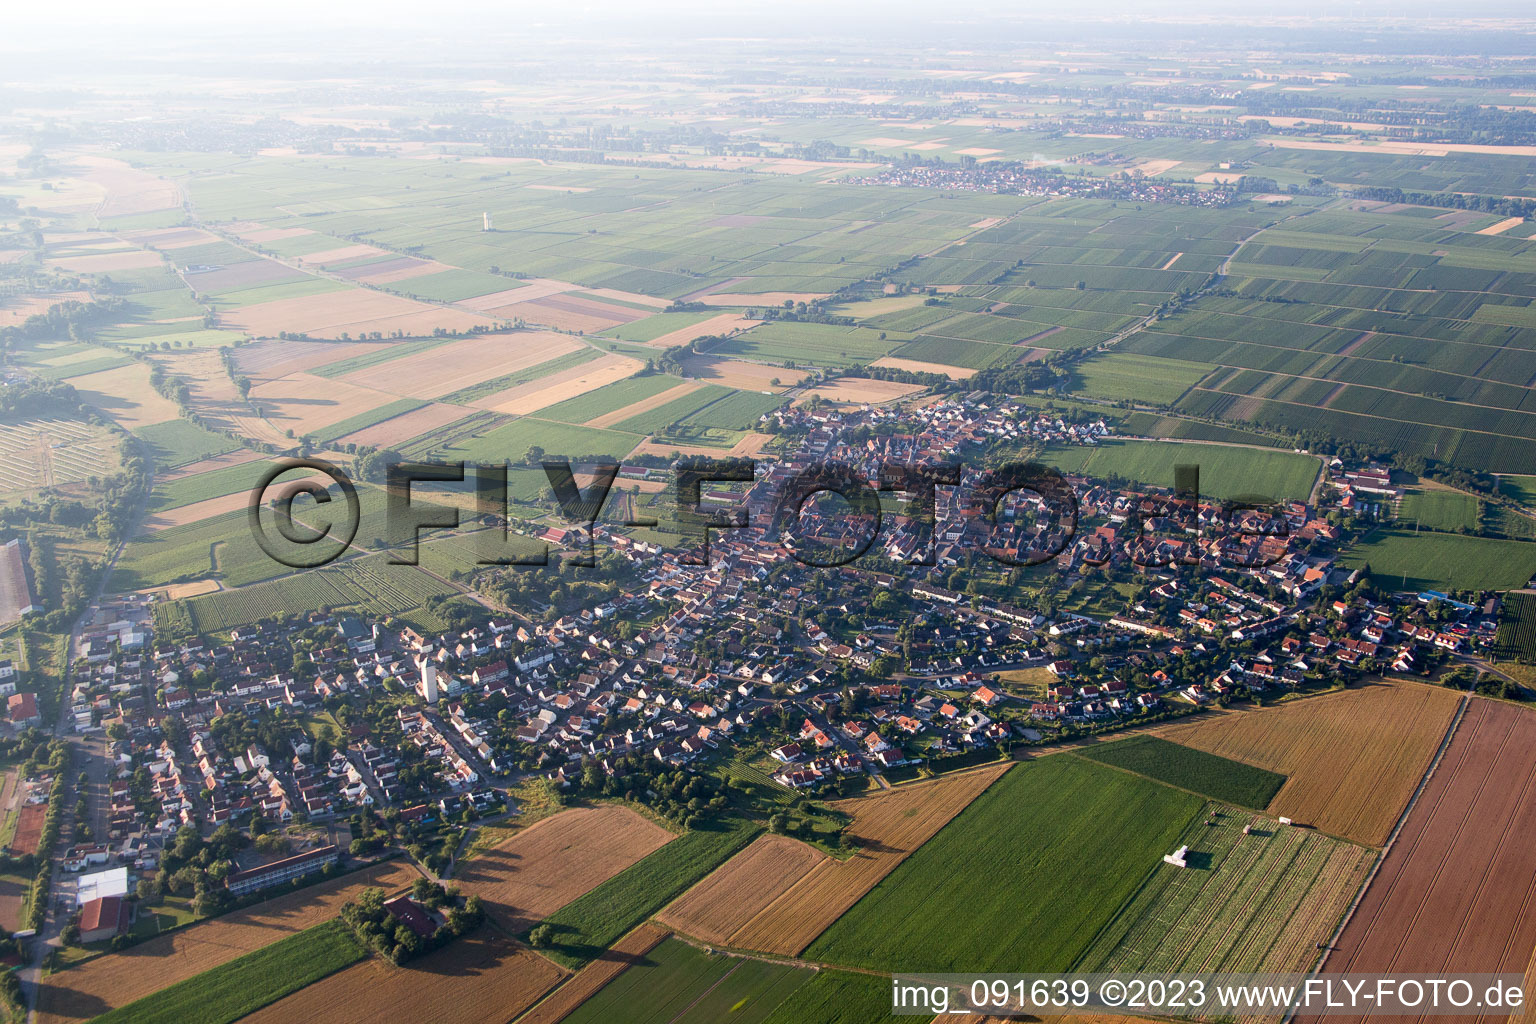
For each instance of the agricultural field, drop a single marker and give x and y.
(550, 382)
(1144, 379)
(1187, 768)
(859, 391)
(610, 400)
(679, 984)
(1400, 559)
(582, 985)
(90, 989)
(1022, 879)
(591, 923)
(232, 990)
(1446, 510)
(1462, 858)
(840, 997)
(886, 828)
(1252, 901)
(551, 862)
(1351, 759)
(123, 395)
(1225, 471)
(484, 977)
(1517, 628)
(180, 443)
(741, 888)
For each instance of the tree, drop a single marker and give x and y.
(541, 937)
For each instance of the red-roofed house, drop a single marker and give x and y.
(23, 710)
(104, 917)
(415, 916)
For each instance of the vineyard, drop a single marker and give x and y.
(1258, 900)
(368, 584)
(1517, 628)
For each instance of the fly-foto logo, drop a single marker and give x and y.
(1028, 513)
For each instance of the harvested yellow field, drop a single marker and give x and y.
(538, 394)
(551, 862)
(535, 289)
(741, 888)
(210, 507)
(1502, 226)
(304, 402)
(860, 391)
(92, 988)
(444, 369)
(17, 308)
(645, 405)
(738, 373)
(483, 978)
(345, 252)
(107, 262)
(269, 360)
(752, 444)
(886, 827)
(918, 366)
(212, 394)
(124, 394)
(127, 189)
(420, 268)
(722, 325)
(1352, 759)
(258, 234)
(588, 981)
(398, 429)
(354, 312)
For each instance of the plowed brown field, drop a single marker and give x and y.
(588, 981)
(117, 979)
(545, 866)
(1351, 759)
(886, 828)
(741, 888)
(1457, 891)
(482, 978)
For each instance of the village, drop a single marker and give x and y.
(328, 736)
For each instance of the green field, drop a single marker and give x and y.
(1124, 375)
(1246, 903)
(840, 997)
(176, 443)
(592, 923)
(1439, 510)
(1520, 488)
(1443, 561)
(1021, 880)
(1187, 768)
(243, 985)
(399, 407)
(395, 350)
(489, 387)
(678, 984)
(652, 327)
(512, 440)
(609, 398)
(676, 411)
(169, 494)
(1225, 471)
